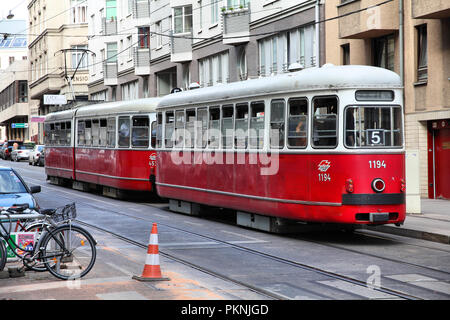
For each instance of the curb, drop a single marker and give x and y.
(417, 234)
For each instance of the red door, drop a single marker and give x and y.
(441, 148)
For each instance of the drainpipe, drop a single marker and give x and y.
(401, 46)
(317, 11)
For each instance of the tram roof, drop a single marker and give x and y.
(328, 77)
(106, 109)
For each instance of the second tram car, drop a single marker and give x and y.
(108, 146)
(319, 145)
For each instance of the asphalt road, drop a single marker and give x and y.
(211, 258)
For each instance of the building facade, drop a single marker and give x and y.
(149, 47)
(410, 38)
(56, 25)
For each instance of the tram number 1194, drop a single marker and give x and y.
(377, 164)
(324, 177)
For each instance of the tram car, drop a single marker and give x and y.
(319, 145)
(107, 146)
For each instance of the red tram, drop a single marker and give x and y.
(319, 145)
(108, 146)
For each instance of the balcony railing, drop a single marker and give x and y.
(141, 61)
(430, 9)
(377, 21)
(236, 25)
(110, 71)
(181, 47)
(109, 26)
(141, 9)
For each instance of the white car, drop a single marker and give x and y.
(33, 158)
(21, 153)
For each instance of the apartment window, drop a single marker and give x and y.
(23, 91)
(130, 91)
(144, 37)
(277, 52)
(236, 4)
(422, 54)
(383, 52)
(111, 52)
(214, 11)
(111, 10)
(200, 7)
(79, 58)
(345, 50)
(214, 69)
(182, 19)
(78, 11)
(242, 63)
(158, 34)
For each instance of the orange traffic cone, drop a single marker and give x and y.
(152, 270)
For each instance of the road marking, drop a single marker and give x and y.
(124, 271)
(357, 289)
(423, 282)
(194, 223)
(58, 284)
(124, 295)
(241, 235)
(159, 215)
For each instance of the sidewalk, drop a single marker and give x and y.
(433, 224)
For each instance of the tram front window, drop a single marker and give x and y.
(373, 127)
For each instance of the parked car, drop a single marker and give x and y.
(14, 190)
(42, 158)
(21, 153)
(8, 148)
(2, 150)
(33, 158)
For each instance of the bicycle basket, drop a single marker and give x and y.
(66, 213)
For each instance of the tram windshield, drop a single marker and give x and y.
(373, 127)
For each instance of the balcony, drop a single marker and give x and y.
(430, 9)
(236, 25)
(141, 61)
(181, 47)
(109, 27)
(110, 73)
(141, 9)
(374, 22)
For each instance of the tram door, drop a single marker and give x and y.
(441, 155)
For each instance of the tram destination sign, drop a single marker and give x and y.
(52, 99)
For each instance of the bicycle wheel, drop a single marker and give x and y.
(37, 264)
(68, 252)
(2, 255)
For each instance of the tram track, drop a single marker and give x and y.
(262, 291)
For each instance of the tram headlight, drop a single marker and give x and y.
(349, 185)
(378, 185)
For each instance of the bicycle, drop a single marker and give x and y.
(67, 251)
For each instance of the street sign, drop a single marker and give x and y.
(19, 125)
(52, 99)
(37, 119)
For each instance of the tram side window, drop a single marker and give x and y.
(103, 132)
(68, 132)
(298, 123)
(124, 132)
(111, 133)
(277, 123)
(47, 134)
(159, 130)
(241, 126)
(190, 129)
(214, 127)
(88, 133)
(81, 133)
(179, 128)
(95, 132)
(62, 134)
(257, 125)
(202, 127)
(140, 132)
(169, 128)
(56, 133)
(227, 126)
(325, 122)
(153, 134)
